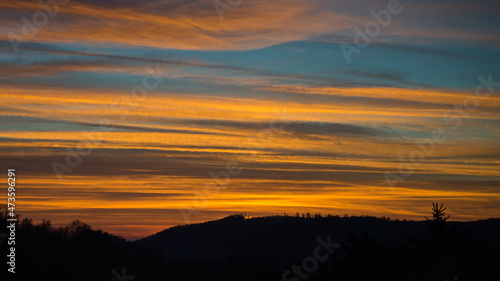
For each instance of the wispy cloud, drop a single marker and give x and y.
(349, 124)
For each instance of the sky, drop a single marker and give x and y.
(135, 116)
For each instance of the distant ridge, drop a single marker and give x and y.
(288, 237)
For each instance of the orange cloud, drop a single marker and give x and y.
(194, 27)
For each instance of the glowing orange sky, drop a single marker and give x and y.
(267, 90)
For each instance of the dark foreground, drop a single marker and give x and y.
(271, 248)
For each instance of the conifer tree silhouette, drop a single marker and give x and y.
(438, 213)
(437, 225)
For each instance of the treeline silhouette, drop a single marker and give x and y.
(72, 252)
(242, 248)
(444, 253)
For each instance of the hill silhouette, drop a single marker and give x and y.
(288, 236)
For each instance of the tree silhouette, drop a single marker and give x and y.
(438, 213)
(437, 226)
